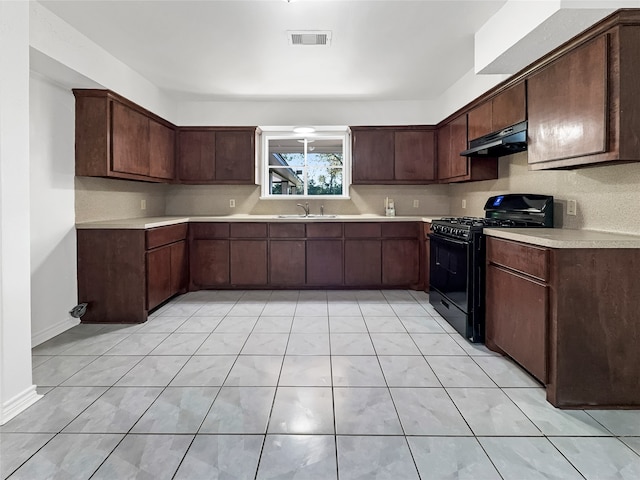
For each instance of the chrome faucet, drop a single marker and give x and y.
(305, 207)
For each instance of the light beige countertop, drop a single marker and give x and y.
(152, 222)
(565, 238)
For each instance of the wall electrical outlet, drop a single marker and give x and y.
(416, 203)
(232, 203)
(572, 207)
(464, 203)
(143, 204)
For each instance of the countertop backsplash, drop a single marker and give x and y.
(607, 196)
(99, 199)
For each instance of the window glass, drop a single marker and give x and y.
(309, 165)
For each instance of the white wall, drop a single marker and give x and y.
(16, 389)
(307, 113)
(52, 37)
(61, 59)
(53, 238)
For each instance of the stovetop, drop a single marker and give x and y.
(465, 227)
(502, 211)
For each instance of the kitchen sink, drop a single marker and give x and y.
(311, 217)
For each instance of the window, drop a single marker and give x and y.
(305, 165)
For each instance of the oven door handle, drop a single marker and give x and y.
(447, 239)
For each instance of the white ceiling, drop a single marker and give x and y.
(228, 50)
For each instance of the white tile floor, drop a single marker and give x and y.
(300, 385)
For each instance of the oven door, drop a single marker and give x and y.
(449, 271)
(450, 283)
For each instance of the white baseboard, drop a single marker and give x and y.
(17, 404)
(56, 329)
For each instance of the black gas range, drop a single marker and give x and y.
(457, 268)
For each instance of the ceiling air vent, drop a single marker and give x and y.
(308, 37)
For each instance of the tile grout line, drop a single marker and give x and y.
(273, 401)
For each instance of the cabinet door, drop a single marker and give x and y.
(235, 157)
(480, 120)
(516, 318)
(158, 276)
(452, 139)
(179, 267)
(162, 148)
(248, 262)
(324, 262)
(415, 156)
(129, 140)
(400, 262)
(509, 108)
(196, 156)
(287, 262)
(362, 262)
(458, 165)
(209, 263)
(567, 104)
(372, 156)
(444, 147)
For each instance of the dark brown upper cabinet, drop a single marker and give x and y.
(505, 109)
(214, 155)
(568, 106)
(119, 139)
(583, 98)
(452, 167)
(415, 155)
(393, 155)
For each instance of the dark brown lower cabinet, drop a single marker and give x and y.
(400, 262)
(287, 262)
(248, 262)
(570, 317)
(209, 261)
(158, 276)
(518, 310)
(179, 267)
(122, 274)
(362, 263)
(166, 273)
(324, 262)
(112, 275)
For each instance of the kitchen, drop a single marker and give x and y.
(598, 191)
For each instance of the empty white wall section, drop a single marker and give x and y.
(524, 30)
(53, 236)
(56, 39)
(316, 112)
(17, 391)
(469, 87)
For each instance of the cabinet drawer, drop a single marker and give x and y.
(248, 230)
(286, 230)
(209, 230)
(400, 230)
(360, 230)
(324, 230)
(527, 259)
(157, 237)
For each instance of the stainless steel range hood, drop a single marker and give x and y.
(505, 142)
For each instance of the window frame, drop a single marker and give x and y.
(283, 133)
